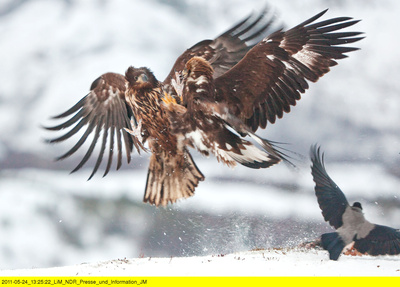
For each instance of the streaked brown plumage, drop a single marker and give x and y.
(217, 92)
(206, 124)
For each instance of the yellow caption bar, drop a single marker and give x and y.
(199, 281)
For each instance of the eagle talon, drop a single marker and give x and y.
(136, 130)
(217, 92)
(177, 84)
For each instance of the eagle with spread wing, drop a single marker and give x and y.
(218, 92)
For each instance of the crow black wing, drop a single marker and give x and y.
(380, 241)
(331, 199)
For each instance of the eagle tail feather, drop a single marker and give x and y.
(170, 178)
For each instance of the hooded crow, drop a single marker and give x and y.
(348, 220)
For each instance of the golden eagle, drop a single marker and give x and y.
(218, 92)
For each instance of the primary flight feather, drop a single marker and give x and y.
(218, 92)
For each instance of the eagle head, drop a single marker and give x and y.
(197, 67)
(140, 78)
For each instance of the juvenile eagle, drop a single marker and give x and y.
(217, 92)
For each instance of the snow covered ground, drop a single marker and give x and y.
(53, 219)
(251, 263)
(50, 53)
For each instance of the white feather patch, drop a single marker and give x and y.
(270, 57)
(248, 154)
(267, 40)
(197, 136)
(251, 154)
(201, 80)
(224, 155)
(306, 56)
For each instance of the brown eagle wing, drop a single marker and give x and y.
(227, 49)
(273, 74)
(104, 111)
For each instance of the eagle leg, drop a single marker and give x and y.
(177, 83)
(136, 130)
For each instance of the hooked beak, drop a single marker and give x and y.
(185, 73)
(142, 78)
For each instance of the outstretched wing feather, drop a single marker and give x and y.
(331, 199)
(229, 48)
(104, 112)
(276, 71)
